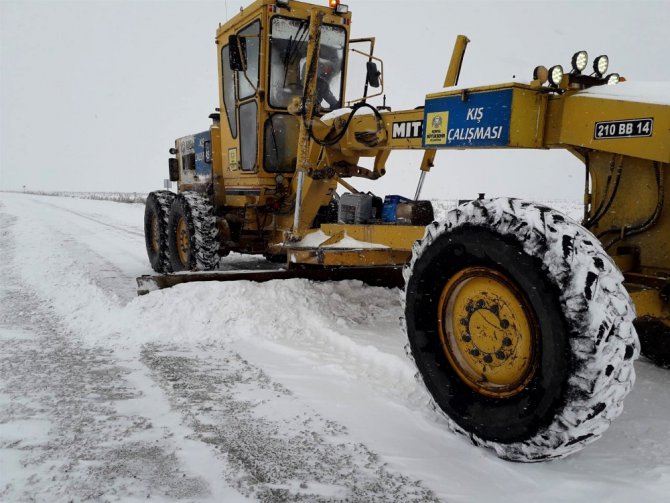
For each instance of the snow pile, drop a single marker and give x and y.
(325, 320)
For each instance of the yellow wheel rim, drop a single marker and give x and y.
(488, 332)
(155, 238)
(182, 241)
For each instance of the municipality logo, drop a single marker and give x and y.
(437, 130)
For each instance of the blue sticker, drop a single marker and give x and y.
(202, 146)
(482, 120)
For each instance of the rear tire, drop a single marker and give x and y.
(192, 234)
(520, 327)
(156, 215)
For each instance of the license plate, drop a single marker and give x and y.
(631, 128)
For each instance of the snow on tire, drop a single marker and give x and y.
(156, 215)
(521, 328)
(192, 243)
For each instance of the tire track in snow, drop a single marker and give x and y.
(279, 448)
(119, 228)
(47, 238)
(62, 436)
(297, 457)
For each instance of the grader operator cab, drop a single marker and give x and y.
(519, 319)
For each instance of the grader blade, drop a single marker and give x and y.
(385, 276)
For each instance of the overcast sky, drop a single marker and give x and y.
(93, 94)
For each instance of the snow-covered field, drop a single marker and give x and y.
(283, 391)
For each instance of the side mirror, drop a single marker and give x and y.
(237, 51)
(373, 74)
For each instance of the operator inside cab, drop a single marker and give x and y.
(288, 55)
(328, 68)
(288, 48)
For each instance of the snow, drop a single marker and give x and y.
(467, 85)
(316, 240)
(242, 391)
(643, 92)
(340, 112)
(334, 114)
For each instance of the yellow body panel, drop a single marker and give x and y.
(649, 303)
(398, 237)
(338, 257)
(571, 121)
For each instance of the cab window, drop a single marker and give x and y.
(288, 54)
(248, 81)
(228, 90)
(249, 135)
(247, 87)
(281, 143)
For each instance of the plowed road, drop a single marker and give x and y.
(283, 391)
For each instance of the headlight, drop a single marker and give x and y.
(341, 8)
(600, 65)
(579, 61)
(612, 78)
(282, 3)
(555, 75)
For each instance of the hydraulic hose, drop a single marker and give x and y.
(649, 222)
(338, 137)
(605, 205)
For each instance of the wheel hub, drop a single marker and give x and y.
(488, 331)
(182, 241)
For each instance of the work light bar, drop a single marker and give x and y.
(600, 65)
(555, 75)
(579, 61)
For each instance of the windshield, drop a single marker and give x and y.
(288, 54)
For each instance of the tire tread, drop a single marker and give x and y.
(597, 308)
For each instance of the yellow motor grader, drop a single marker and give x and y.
(520, 320)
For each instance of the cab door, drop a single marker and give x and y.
(239, 118)
(247, 98)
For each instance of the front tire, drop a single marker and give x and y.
(192, 234)
(520, 327)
